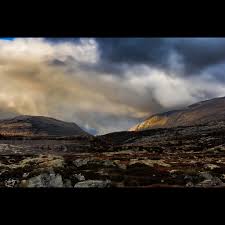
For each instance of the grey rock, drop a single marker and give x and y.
(206, 175)
(189, 184)
(93, 184)
(80, 177)
(80, 162)
(108, 163)
(46, 180)
(10, 183)
(25, 175)
(209, 181)
(215, 181)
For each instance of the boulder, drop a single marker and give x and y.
(93, 184)
(46, 180)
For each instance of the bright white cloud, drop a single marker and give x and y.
(37, 49)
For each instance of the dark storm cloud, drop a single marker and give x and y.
(153, 51)
(195, 54)
(104, 67)
(199, 54)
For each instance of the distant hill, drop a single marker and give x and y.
(38, 125)
(198, 113)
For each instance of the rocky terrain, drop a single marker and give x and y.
(174, 157)
(187, 156)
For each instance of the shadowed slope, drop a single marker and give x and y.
(38, 125)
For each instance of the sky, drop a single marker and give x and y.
(107, 84)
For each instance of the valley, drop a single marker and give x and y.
(192, 156)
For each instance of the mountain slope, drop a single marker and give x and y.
(38, 125)
(198, 113)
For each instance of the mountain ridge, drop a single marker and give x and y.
(197, 113)
(27, 125)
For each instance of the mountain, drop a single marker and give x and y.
(38, 125)
(198, 113)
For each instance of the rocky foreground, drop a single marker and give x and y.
(191, 156)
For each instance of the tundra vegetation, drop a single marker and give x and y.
(188, 156)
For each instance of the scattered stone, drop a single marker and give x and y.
(25, 175)
(206, 175)
(46, 180)
(93, 184)
(108, 163)
(209, 181)
(11, 183)
(150, 162)
(211, 166)
(189, 184)
(80, 162)
(172, 171)
(120, 164)
(80, 177)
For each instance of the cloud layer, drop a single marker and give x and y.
(107, 85)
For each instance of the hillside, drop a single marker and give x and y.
(38, 125)
(198, 113)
